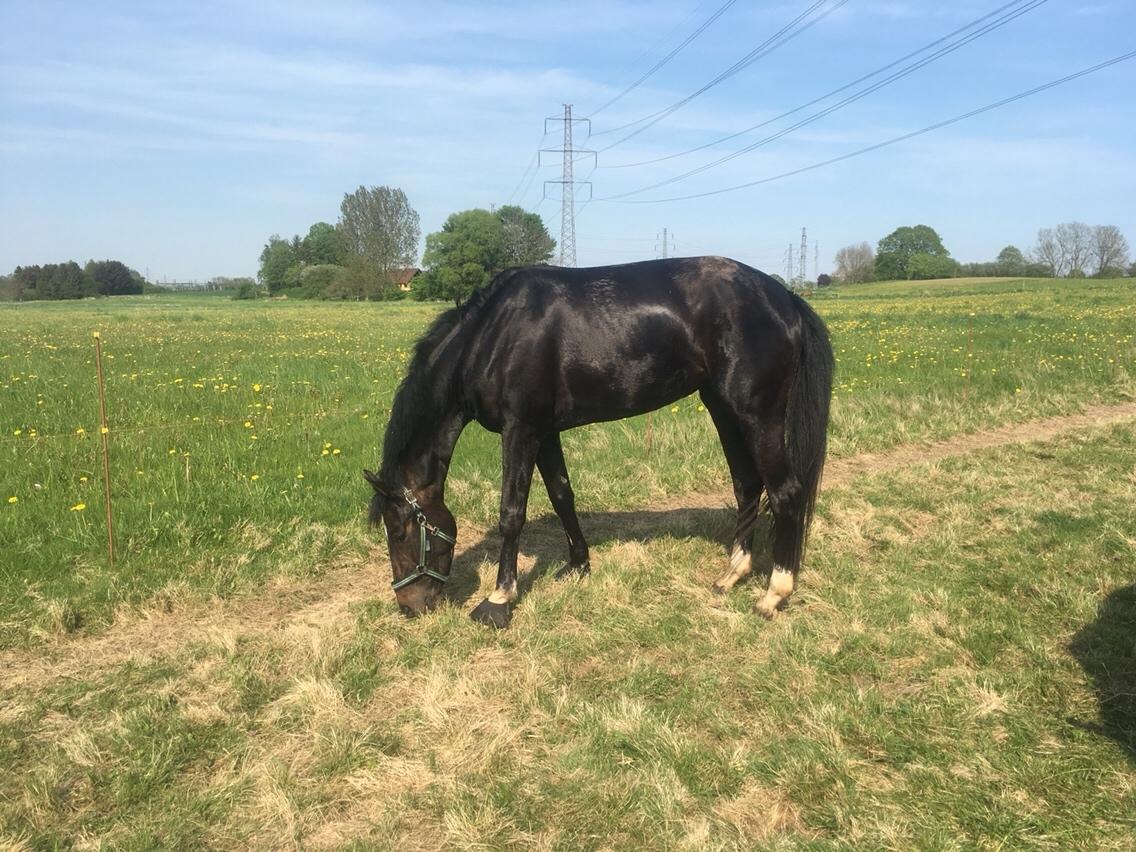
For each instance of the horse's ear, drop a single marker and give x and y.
(376, 483)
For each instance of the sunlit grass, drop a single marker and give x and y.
(234, 420)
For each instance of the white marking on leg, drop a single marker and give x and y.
(780, 588)
(741, 563)
(503, 594)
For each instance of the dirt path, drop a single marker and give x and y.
(315, 604)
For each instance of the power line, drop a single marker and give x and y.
(817, 100)
(654, 68)
(863, 93)
(790, 31)
(938, 125)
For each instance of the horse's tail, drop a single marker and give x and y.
(807, 415)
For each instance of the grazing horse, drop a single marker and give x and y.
(543, 349)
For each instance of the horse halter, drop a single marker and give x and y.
(424, 527)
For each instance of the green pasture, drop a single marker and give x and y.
(954, 672)
(233, 421)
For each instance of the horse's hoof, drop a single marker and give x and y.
(720, 591)
(492, 614)
(769, 612)
(567, 571)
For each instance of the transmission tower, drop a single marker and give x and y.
(789, 265)
(804, 255)
(568, 184)
(664, 254)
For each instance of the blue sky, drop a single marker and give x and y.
(178, 136)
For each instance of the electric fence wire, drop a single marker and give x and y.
(863, 93)
(894, 140)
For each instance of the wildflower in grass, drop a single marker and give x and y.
(18, 432)
(78, 507)
(299, 476)
(674, 409)
(80, 431)
(13, 499)
(255, 477)
(256, 388)
(324, 452)
(173, 451)
(248, 424)
(82, 479)
(335, 452)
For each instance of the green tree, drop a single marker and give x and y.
(1011, 261)
(922, 266)
(463, 256)
(276, 259)
(69, 281)
(474, 245)
(894, 252)
(113, 278)
(323, 245)
(380, 229)
(525, 240)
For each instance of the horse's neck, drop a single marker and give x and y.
(426, 465)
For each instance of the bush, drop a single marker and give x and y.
(824, 280)
(247, 290)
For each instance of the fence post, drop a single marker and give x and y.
(104, 434)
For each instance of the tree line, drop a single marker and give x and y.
(69, 280)
(1069, 250)
(371, 250)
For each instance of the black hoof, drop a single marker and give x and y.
(567, 571)
(492, 614)
(720, 591)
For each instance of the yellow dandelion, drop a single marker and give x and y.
(173, 451)
(674, 409)
(13, 499)
(335, 452)
(255, 477)
(324, 452)
(248, 424)
(78, 507)
(18, 432)
(82, 479)
(299, 476)
(256, 388)
(80, 431)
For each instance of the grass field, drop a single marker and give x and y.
(956, 670)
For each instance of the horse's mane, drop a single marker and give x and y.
(424, 394)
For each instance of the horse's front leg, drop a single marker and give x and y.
(518, 455)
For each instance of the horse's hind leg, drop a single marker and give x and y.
(787, 503)
(747, 489)
(550, 462)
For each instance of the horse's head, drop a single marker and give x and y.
(421, 533)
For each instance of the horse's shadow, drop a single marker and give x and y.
(543, 539)
(1106, 650)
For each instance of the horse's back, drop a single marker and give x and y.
(573, 346)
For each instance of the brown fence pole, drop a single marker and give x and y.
(104, 434)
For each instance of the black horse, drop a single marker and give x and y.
(543, 349)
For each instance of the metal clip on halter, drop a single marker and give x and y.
(424, 526)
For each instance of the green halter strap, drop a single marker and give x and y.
(424, 527)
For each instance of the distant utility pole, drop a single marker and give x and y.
(664, 255)
(804, 250)
(567, 184)
(816, 257)
(789, 265)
